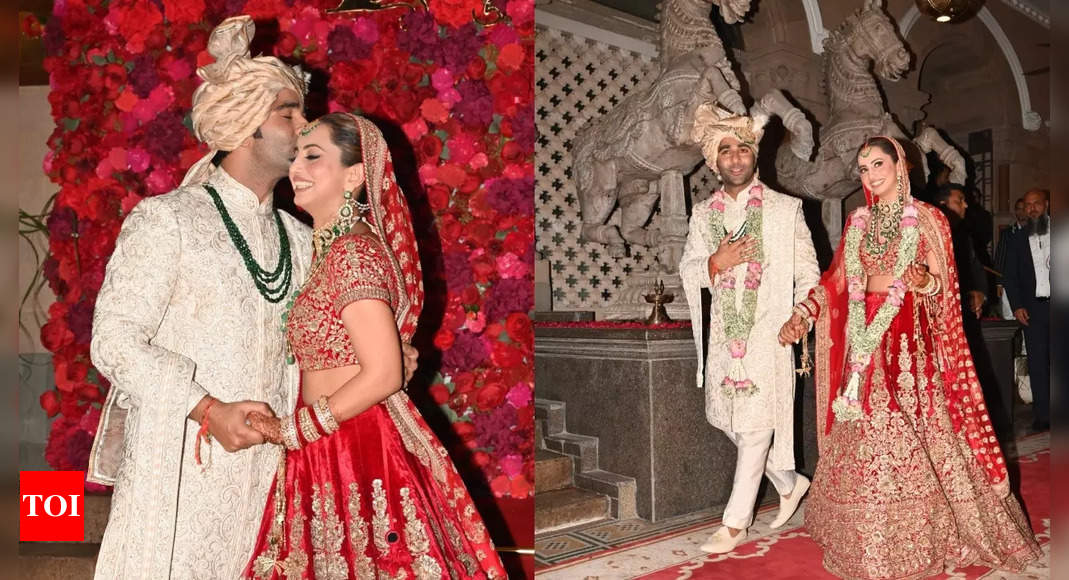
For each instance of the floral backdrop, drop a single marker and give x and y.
(454, 77)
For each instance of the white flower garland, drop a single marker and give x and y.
(863, 339)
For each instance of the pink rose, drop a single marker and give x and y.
(510, 266)
(138, 159)
(442, 79)
(449, 96)
(737, 347)
(519, 395)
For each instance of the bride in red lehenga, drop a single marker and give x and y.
(364, 489)
(910, 477)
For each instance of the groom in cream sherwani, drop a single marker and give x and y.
(751, 248)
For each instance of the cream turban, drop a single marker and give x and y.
(712, 124)
(237, 93)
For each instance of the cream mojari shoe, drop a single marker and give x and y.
(722, 542)
(787, 506)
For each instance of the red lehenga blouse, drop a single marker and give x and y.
(380, 497)
(920, 481)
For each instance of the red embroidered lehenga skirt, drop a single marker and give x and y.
(379, 498)
(899, 494)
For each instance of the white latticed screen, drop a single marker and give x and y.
(578, 79)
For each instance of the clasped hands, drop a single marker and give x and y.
(242, 424)
(916, 277)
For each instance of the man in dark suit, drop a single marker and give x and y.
(950, 198)
(1027, 282)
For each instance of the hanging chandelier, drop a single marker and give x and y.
(949, 10)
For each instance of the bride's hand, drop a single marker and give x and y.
(916, 275)
(269, 427)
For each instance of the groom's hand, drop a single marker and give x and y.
(227, 423)
(409, 361)
(793, 330)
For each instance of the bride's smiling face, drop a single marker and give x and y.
(318, 176)
(877, 171)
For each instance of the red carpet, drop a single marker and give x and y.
(793, 554)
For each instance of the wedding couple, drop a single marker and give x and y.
(230, 331)
(910, 476)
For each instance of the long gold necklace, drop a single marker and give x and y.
(884, 226)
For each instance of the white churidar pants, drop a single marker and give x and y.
(752, 461)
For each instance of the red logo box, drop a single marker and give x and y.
(51, 506)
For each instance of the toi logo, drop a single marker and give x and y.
(51, 506)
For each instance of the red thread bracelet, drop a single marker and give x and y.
(203, 434)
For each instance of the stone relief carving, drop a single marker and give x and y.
(866, 41)
(636, 155)
(619, 158)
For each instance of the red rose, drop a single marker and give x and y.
(516, 242)
(89, 392)
(438, 196)
(55, 335)
(463, 383)
(501, 485)
(490, 396)
(439, 393)
(449, 228)
(511, 56)
(402, 105)
(451, 175)
(519, 487)
(518, 325)
(483, 267)
(287, 43)
(481, 458)
(136, 20)
(512, 152)
(476, 68)
(50, 402)
(464, 429)
(455, 13)
(369, 101)
(494, 330)
(430, 148)
(481, 233)
(470, 296)
(506, 356)
(471, 184)
(443, 339)
(412, 73)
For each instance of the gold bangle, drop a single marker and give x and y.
(325, 417)
(308, 429)
(932, 286)
(288, 429)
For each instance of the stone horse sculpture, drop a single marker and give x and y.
(637, 153)
(867, 40)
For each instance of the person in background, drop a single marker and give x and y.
(1027, 282)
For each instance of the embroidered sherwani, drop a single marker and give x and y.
(790, 269)
(179, 317)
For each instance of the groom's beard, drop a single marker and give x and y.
(1039, 226)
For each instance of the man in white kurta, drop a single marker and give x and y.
(180, 323)
(759, 419)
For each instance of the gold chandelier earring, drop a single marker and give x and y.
(898, 184)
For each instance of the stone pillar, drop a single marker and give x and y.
(831, 213)
(634, 389)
